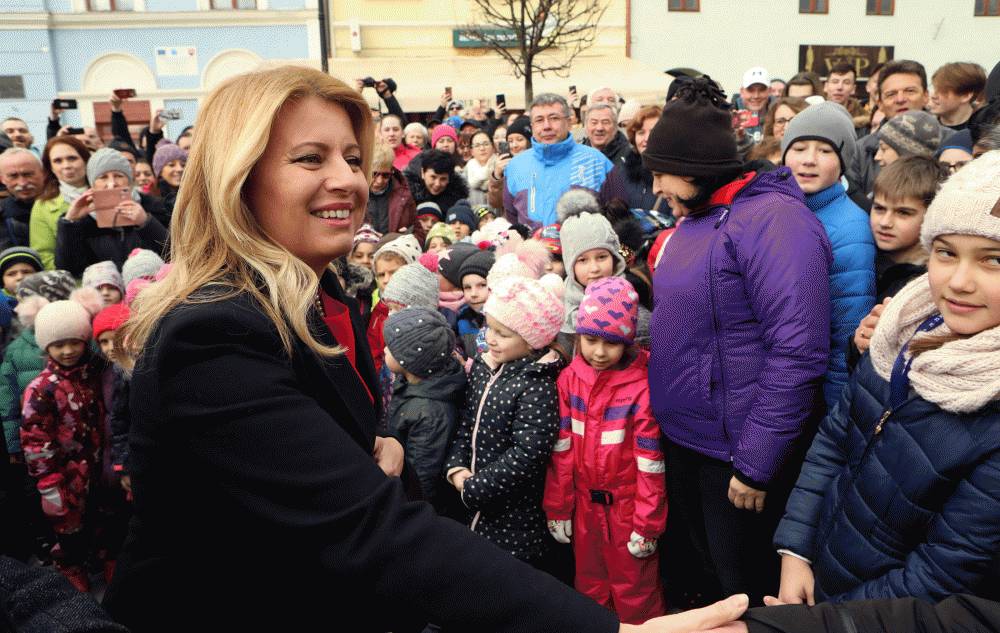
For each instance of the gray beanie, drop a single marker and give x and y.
(141, 262)
(912, 133)
(828, 122)
(583, 228)
(104, 160)
(103, 273)
(420, 340)
(412, 285)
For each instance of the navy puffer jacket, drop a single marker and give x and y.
(913, 510)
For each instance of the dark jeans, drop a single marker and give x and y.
(732, 550)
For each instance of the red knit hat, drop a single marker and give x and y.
(109, 319)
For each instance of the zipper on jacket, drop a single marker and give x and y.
(881, 422)
(715, 329)
(475, 432)
(861, 462)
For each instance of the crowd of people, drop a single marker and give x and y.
(665, 353)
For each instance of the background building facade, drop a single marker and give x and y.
(170, 51)
(726, 37)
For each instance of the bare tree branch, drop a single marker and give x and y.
(542, 36)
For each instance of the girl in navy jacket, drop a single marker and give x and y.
(900, 492)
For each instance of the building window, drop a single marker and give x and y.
(683, 5)
(234, 4)
(988, 7)
(813, 6)
(881, 7)
(110, 5)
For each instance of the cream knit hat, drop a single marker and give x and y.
(531, 307)
(968, 203)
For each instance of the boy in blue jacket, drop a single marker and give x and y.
(817, 146)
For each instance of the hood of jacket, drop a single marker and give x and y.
(635, 371)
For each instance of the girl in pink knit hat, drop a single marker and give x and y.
(605, 490)
(510, 420)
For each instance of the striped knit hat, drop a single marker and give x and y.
(913, 133)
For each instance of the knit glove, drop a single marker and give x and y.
(561, 531)
(639, 546)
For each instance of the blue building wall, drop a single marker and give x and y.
(53, 61)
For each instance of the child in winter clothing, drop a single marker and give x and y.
(463, 220)
(591, 251)
(817, 146)
(16, 263)
(510, 420)
(549, 236)
(394, 252)
(605, 487)
(903, 191)
(471, 321)
(105, 278)
(450, 297)
(439, 238)
(363, 246)
(116, 390)
(62, 431)
(23, 360)
(900, 492)
(427, 396)
(429, 215)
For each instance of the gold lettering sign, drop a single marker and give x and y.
(820, 58)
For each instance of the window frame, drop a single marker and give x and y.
(684, 8)
(113, 9)
(212, 7)
(813, 10)
(985, 11)
(880, 8)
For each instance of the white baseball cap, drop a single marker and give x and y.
(756, 75)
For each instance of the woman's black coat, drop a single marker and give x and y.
(259, 506)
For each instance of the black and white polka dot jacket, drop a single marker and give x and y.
(505, 437)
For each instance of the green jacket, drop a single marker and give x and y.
(43, 226)
(22, 362)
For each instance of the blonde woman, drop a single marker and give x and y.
(263, 498)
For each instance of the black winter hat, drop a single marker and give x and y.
(477, 264)
(694, 136)
(450, 262)
(521, 125)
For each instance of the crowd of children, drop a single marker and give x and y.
(64, 405)
(523, 399)
(514, 366)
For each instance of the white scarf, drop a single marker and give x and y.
(478, 175)
(962, 376)
(69, 192)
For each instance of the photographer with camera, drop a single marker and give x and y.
(386, 90)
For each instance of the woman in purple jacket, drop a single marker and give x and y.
(740, 337)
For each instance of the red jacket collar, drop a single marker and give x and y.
(727, 193)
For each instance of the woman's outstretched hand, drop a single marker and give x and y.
(720, 617)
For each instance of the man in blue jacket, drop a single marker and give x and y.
(554, 163)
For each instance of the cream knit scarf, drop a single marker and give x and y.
(960, 377)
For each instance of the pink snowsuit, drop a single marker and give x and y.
(607, 475)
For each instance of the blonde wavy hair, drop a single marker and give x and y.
(215, 240)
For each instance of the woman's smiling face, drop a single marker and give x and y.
(308, 190)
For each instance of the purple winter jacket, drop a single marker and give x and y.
(741, 326)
